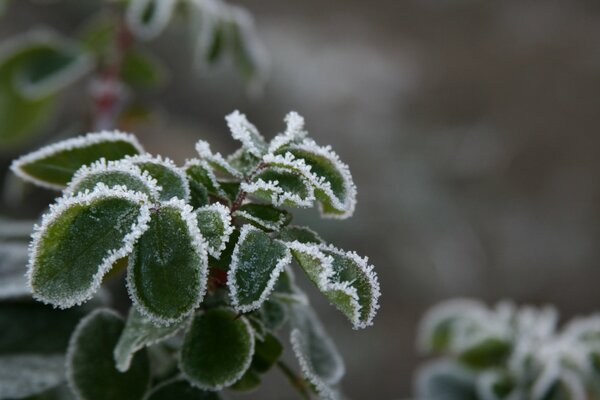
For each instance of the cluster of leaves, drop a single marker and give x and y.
(37, 67)
(507, 353)
(207, 250)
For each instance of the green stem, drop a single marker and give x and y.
(296, 381)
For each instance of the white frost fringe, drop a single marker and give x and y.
(166, 163)
(224, 214)
(231, 274)
(163, 10)
(66, 145)
(244, 131)
(86, 198)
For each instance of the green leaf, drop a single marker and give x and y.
(26, 375)
(33, 328)
(347, 280)
(331, 179)
(286, 290)
(264, 216)
(168, 268)
(217, 349)
(141, 70)
(244, 131)
(317, 355)
(99, 34)
(113, 173)
(281, 187)
(224, 260)
(91, 369)
(248, 382)
(180, 390)
(13, 259)
(486, 353)
(173, 181)
(266, 353)
(256, 263)
(495, 385)
(302, 234)
(34, 67)
(214, 222)
(248, 53)
(140, 332)
(243, 161)
(148, 18)
(202, 179)
(445, 380)
(273, 314)
(53, 166)
(216, 161)
(80, 239)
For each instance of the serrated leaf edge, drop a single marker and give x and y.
(123, 166)
(199, 245)
(264, 223)
(101, 191)
(225, 215)
(66, 145)
(280, 197)
(165, 162)
(294, 131)
(205, 153)
(233, 290)
(195, 162)
(243, 130)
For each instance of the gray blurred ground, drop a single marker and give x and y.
(471, 128)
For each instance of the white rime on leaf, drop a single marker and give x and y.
(136, 13)
(69, 144)
(294, 132)
(199, 245)
(277, 195)
(244, 131)
(216, 160)
(235, 265)
(13, 261)
(25, 375)
(273, 226)
(344, 206)
(323, 273)
(102, 167)
(100, 192)
(166, 163)
(194, 162)
(224, 215)
(138, 333)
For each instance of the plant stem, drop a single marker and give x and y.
(296, 381)
(241, 196)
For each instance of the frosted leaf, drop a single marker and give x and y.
(281, 187)
(54, 165)
(494, 385)
(242, 130)
(243, 161)
(256, 263)
(216, 160)
(559, 383)
(80, 238)
(294, 132)
(334, 187)
(172, 179)
(140, 332)
(215, 226)
(316, 353)
(91, 371)
(148, 18)
(445, 380)
(201, 175)
(264, 216)
(25, 375)
(347, 280)
(217, 349)
(302, 234)
(286, 289)
(179, 389)
(168, 268)
(113, 173)
(13, 261)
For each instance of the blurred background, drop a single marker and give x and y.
(471, 128)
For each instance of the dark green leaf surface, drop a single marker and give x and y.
(169, 177)
(273, 314)
(256, 264)
(90, 364)
(248, 382)
(283, 188)
(215, 226)
(54, 166)
(264, 216)
(446, 381)
(140, 332)
(217, 349)
(301, 234)
(266, 353)
(180, 390)
(79, 241)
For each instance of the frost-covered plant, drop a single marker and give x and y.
(507, 353)
(207, 249)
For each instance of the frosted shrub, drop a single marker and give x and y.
(207, 249)
(507, 353)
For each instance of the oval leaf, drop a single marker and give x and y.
(256, 263)
(167, 270)
(264, 216)
(282, 187)
(302, 234)
(217, 349)
(173, 181)
(180, 390)
(202, 179)
(80, 239)
(214, 222)
(91, 372)
(53, 166)
(140, 332)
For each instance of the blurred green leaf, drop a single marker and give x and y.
(180, 390)
(142, 70)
